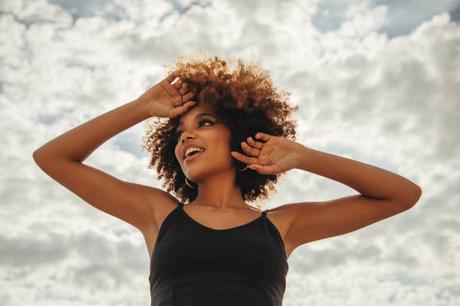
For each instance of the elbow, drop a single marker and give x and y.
(418, 193)
(39, 157)
(408, 197)
(414, 195)
(36, 155)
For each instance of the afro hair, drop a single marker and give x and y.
(245, 100)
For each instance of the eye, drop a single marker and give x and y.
(178, 133)
(205, 120)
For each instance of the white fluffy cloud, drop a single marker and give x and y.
(367, 88)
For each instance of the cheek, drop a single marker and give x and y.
(222, 147)
(177, 153)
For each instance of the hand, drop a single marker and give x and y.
(271, 154)
(167, 100)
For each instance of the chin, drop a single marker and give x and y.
(201, 170)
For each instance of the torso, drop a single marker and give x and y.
(217, 221)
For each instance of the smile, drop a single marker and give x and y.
(191, 157)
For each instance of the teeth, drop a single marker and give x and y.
(192, 149)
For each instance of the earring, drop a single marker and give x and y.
(186, 182)
(244, 168)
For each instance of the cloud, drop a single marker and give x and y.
(373, 82)
(402, 17)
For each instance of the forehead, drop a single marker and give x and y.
(196, 112)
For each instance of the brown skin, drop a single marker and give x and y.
(382, 193)
(62, 158)
(167, 99)
(144, 207)
(212, 172)
(269, 154)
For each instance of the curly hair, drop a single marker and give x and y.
(244, 99)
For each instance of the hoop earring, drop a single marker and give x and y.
(186, 182)
(244, 168)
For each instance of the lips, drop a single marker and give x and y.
(187, 146)
(192, 156)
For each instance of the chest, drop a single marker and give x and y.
(220, 224)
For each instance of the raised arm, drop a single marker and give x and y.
(381, 193)
(62, 157)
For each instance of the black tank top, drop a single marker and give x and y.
(195, 265)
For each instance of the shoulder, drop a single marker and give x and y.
(286, 214)
(280, 213)
(160, 203)
(281, 217)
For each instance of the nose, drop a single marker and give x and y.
(185, 135)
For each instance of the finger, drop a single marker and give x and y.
(263, 169)
(262, 136)
(178, 83)
(171, 77)
(188, 96)
(249, 150)
(183, 88)
(255, 144)
(182, 108)
(177, 102)
(243, 158)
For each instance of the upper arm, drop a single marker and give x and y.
(127, 201)
(310, 221)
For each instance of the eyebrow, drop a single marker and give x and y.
(197, 116)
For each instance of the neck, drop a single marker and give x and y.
(218, 191)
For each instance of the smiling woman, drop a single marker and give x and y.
(241, 101)
(237, 249)
(217, 249)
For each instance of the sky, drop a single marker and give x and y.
(376, 81)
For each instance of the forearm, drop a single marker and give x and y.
(78, 143)
(370, 181)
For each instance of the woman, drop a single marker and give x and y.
(217, 152)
